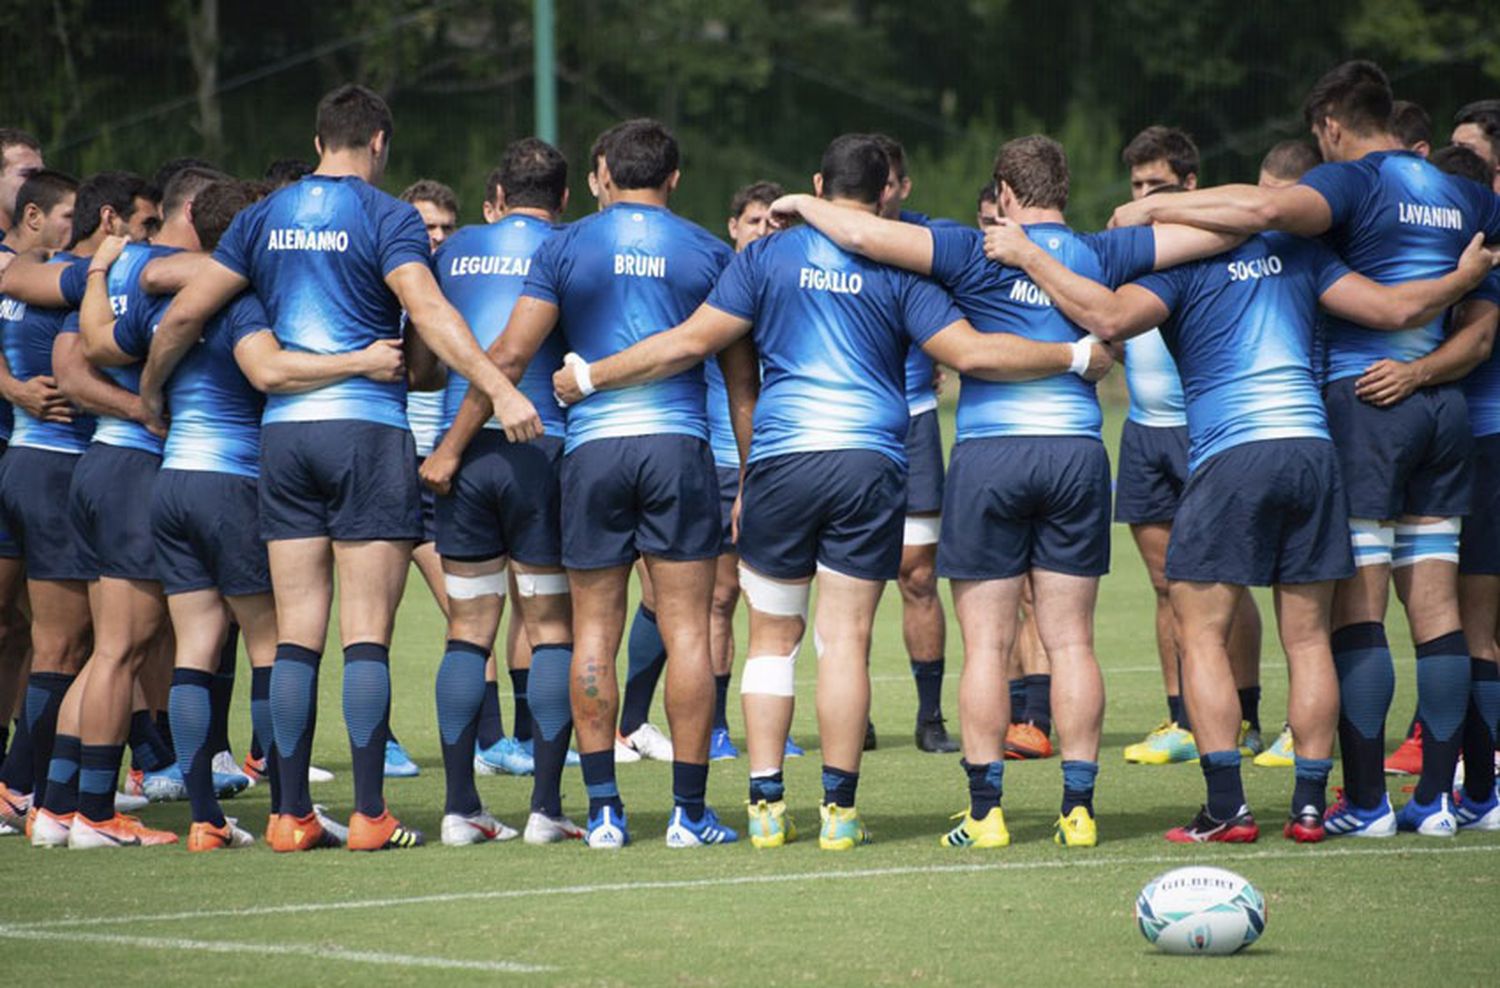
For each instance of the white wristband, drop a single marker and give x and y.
(1082, 351)
(580, 373)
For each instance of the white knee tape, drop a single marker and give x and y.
(922, 530)
(773, 596)
(1372, 542)
(769, 675)
(471, 587)
(1435, 541)
(541, 584)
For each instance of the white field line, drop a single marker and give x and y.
(1071, 861)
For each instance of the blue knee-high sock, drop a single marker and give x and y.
(1017, 700)
(98, 771)
(648, 656)
(149, 751)
(928, 676)
(367, 709)
(17, 771)
(721, 702)
(491, 727)
(294, 717)
(44, 697)
(1177, 712)
(521, 727)
(261, 726)
(690, 788)
(1367, 680)
(1442, 703)
(1481, 726)
(1039, 701)
(222, 691)
(1311, 786)
(1226, 790)
(986, 786)
(460, 693)
(552, 715)
(1250, 706)
(1078, 785)
(61, 795)
(599, 780)
(191, 705)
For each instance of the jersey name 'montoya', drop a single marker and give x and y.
(295, 238)
(492, 264)
(1420, 214)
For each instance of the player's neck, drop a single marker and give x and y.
(177, 232)
(1357, 147)
(21, 240)
(640, 197)
(845, 203)
(89, 244)
(1027, 215)
(533, 211)
(348, 162)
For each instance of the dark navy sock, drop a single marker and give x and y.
(1311, 786)
(928, 674)
(721, 702)
(552, 717)
(491, 727)
(1017, 700)
(519, 683)
(1226, 790)
(163, 722)
(1250, 706)
(1480, 729)
(98, 771)
(44, 698)
(148, 749)
(770, 787)
(294, 717)
(460, 692)
(61, 795)
(599, 779)
(19, 770)
(1367, 680)
(1039, 701)
(222, 692)
(839, 786)
(648, 656)
(367, 711)
(1078, 785)
(689, 788)
(261, 727)
(4, 739)
(1176, 712)
(191, 703)
(986, 786)
(1442, 703)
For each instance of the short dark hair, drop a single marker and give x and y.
(186, 184)
(350, 116)
(169, 170)
(600, 145)
(285, 171)
(118, 190)
(1410, 123)
(533, 173)
(1357, 94)
(44, 189)
(1484, 114)
(1169, 144)
(988, 193)
(895, 152)
(855, 166)
(1455, 159)
(10, 137)
(1289, 160)
(641, 154)
(433, 191)
(764, 193)
(218, 204)
(1036, 169)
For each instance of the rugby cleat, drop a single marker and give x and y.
(705, 832)
(1344, 819)
(460, 830)
(1204, 829)
(1167, 743)
(1305, 826)
(544, 829)
(119, 831)
(607, 830)
(398, 764)
(254, 769)
(207, 837)
(1250, 741)
(986, 833)
(1077, 829)
(48, 829)
(842, 829)
(932, 736)
(164, 786)
(572, 759)
(14, 806)
(125, 803)
(134, 783)
(229, 781)
(770, 825)
(1280, 754)
(332, 827)
(720, 747)
(1026, 741)
(505, 757)
(1474, 815)
(382, 833)
(287, 833)
(1434, 819)
(1407, 758)
(649, 742)
(624, 753)
(6, 830)
(792, 749)
(315, 774)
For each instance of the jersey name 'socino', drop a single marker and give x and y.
(496, 264)
(1256, 267)
(838, 282)
(298, 239)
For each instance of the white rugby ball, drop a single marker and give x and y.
(1200, 910)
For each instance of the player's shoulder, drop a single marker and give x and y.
(700, 236)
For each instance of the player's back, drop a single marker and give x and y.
(214, 410)
(136, 315)
(1155, 387)
(1482, 385)
(28, 333)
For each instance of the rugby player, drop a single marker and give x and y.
(1477, 127)
(20, 158)
(1412, 127)
(988, 210)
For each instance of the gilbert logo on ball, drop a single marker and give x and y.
(1200, 910)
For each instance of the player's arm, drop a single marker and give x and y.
(1469, 344)
(1177, 244)
(424, 371)
(86, 386)
(96, 317)
(904, 245)
(181, 326)
(702, 334)
(37, 396)
(1008, 357)
(171, 274)
(1411, 303)
(275, 370)
(740, 365)
(1240, 209)
(30, 279)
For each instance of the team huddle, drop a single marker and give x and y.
(235, 399)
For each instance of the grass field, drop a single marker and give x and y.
(899, 911)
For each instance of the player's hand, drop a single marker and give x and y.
(1477, 261)
(1137, 213)
(1101, 361)
(109, 251)
(734, 516)
(153, 412)
(565, 386)
(517, 416)
(1387, 382)
(384, 361)
(1006, 243)
(41, 400)
(438, 469)
(786, 210)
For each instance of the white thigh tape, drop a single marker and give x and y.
(1372, 542)
(471, 587)
(1435, 541)
(773, 596)
(541, 584)
(922, 529)
(769, 675)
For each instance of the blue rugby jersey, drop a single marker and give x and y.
(1396, 218)
(920, 395)
(28, 333)
(1482, 386)
(136, 316)
(1155, 387)
(832, 329)
(1241, 329)
(617, 277)
(482, 270)
(317, 253)
(6, 416)
(424, 417)
(999, 299)
(214, 410)
(720, 428)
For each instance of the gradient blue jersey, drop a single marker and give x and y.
(1482, 386)
(1241, 329)
(6, 416)
(999, 299)
(482, 269)
(28, 333)
(1156, 398)
(832, 329)
(215, 412)
(424, 417)
(317, 253)
(617, 277)
(920, 394)
(136, 316)
(720, 428)
(1396, 218)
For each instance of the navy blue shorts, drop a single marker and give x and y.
(1479, 545)
(639, 495)
(34, 487)
(9, 547)
(110, 507)
(844, 509)
(1261, 514)
(1413, 458)
(429, 506)
(924, 459)
(1152, 472)
(503, 502)
(1017, 503)
(208, 533)
(348, 480)
(729, 489)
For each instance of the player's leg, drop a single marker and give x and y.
(646, 655)
(1479, 602)
(15, 645)
(494, 752)
(599, 597)
(52, 819)
(1030, 676)
(1362, 659)
(255, 615)
(924, 630)
(544, 605)
(1172, 741)
(1303, 615)
(726, 598)
(778, 621)
(986, 611)
(1244, 658)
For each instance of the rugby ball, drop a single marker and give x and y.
(1200, 910)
